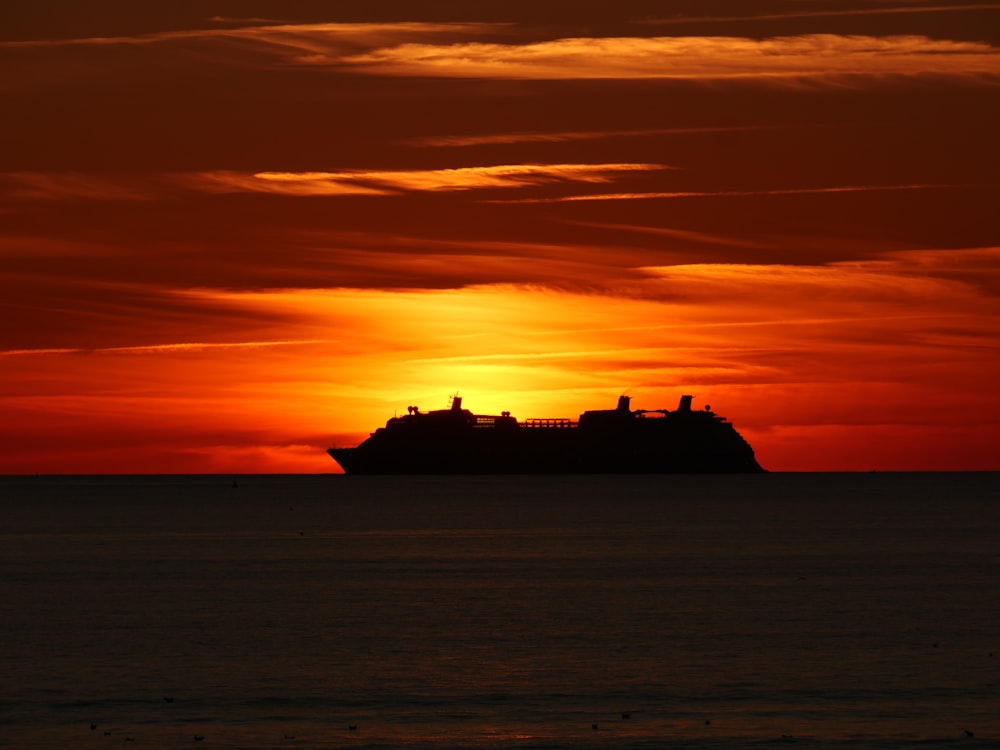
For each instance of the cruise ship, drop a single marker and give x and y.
(601, 441)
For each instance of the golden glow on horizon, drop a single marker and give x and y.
(868, 326)
(569, 351)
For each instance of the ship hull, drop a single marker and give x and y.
(361, 466)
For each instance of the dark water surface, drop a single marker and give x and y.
(824, 610)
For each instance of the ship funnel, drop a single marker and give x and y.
(623, 403)
(685, 404)
(456, 403)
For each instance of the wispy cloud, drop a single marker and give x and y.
(683, 235)
(301, 39)
(487, 139)
(909, 295)
(237, 21)
(190, 346)
(462, 178)
(279, 183)
(807, 56)
(454, 50)
(738, 193)
(894, 10)
(75, 186)
(253, 47)
(895, 285)
(21, 352)
(71, 186)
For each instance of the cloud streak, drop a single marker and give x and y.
(486, 139)
(301, 40)
(32, 186)
(738, 193)
(165, 348)
(840, 13)
(71, 186)
(815, 56)
(454, 50)
(461, 178)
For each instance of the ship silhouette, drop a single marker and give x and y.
(602, 441)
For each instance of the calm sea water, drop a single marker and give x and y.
(853, 610)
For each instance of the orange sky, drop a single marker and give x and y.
(236, 233)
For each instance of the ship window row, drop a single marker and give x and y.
(561, 423)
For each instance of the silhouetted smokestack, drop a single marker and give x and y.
(623, 402)
(685, 404)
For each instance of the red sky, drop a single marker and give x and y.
(233, 234)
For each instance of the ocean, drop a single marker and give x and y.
(326, 611)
